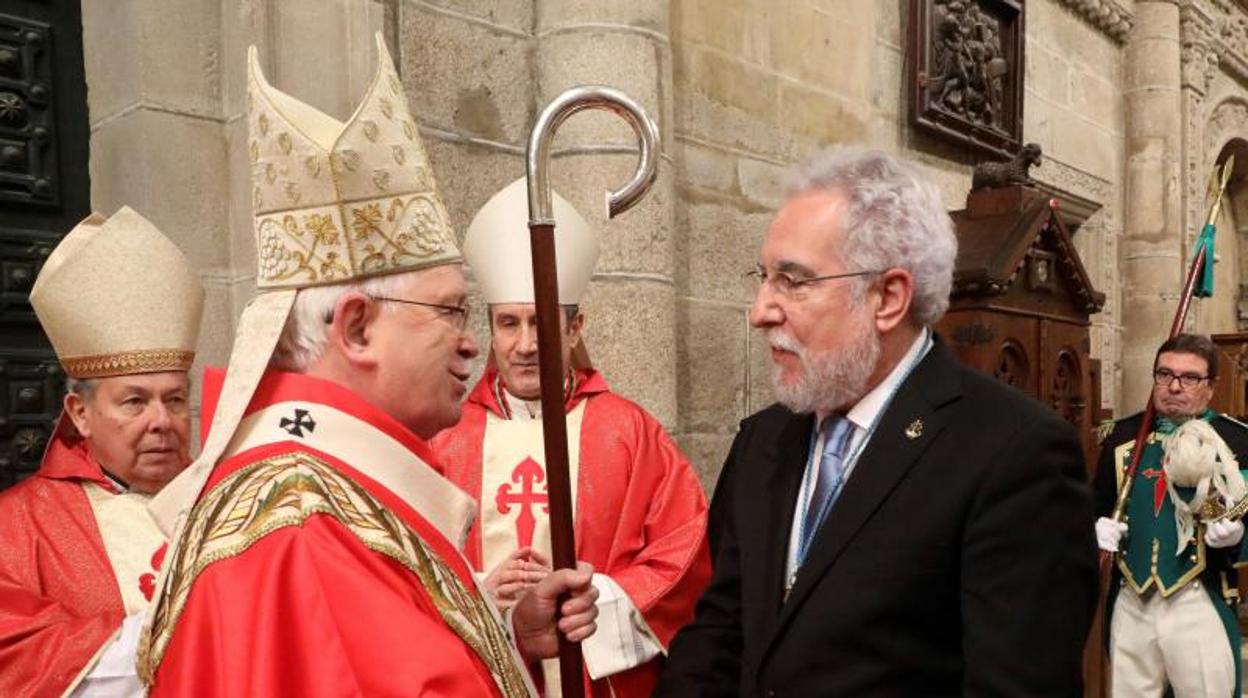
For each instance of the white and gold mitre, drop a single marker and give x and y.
(497, 247)
(334, 202)
(116, 297)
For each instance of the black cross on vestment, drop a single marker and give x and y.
(295, 426)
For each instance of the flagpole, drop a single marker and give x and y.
(1202, 266)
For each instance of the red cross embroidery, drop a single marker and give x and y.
(528, 474)
(1159, 488)
(147, 581)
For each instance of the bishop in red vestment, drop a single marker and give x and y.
(321, 563)
(316, 550)
(60, 600)
(640, 512)
(80, 555)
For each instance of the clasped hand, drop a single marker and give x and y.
(524, 581)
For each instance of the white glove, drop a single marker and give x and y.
(1109, 533)
(1224, 534)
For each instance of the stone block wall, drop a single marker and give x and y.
(760, 84)
(742, 90)
(1074, 108)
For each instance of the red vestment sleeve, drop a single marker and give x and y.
(43, 644)
(671, 564)
(310, 611)
(59, 601)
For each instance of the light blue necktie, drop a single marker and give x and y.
(836, 432)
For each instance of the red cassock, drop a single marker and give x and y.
(59, 600)
(640, 510)
(313, 565)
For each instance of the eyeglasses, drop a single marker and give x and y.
(1166, 377)
(456, 315)
(790, 288)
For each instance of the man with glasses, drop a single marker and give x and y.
(318, 545)
(899, 524)
(1172, 598)
(640, 510)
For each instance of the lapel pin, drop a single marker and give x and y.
(915, 430)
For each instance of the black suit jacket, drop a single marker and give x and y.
(958, 562)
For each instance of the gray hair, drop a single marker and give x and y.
(82, 387)
(894, 218)
(303, 337)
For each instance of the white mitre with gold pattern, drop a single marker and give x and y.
(498, 249)
(116, 297)
(332, 203)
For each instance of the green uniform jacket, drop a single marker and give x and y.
(1147, 562)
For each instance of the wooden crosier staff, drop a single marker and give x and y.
(546, 299)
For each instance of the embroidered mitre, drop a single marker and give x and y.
(117, 297)
(334, 202)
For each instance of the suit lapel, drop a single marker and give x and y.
(790, 455)
(889, 455)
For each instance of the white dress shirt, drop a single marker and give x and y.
(862, 415)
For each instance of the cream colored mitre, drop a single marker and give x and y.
(332, 202)
(116, 297)
(497, 247)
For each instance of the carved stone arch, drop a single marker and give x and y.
(1227, 122)
(1221, 135)
(1224, 137)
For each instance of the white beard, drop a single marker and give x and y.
(832, 379)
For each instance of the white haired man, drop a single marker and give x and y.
(80, 555)
(640, 510)
(320, 549)
(899, 524)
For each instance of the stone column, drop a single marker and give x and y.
(321, 53)
(631, 304)
(167, 90)
(1152, 247)
(153, 71)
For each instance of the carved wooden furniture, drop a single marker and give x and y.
(966, 72)
(1230, 393)
(1021, 304)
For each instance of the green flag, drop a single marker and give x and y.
(1204, 285)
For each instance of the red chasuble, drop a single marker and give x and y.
(319, 562)
(59, 600)
(639, 509)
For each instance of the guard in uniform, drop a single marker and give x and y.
(1172, 597)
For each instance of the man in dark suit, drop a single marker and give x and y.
(899, 525)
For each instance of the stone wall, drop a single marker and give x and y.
(1130, 99)
(760, 84)
(166, 85)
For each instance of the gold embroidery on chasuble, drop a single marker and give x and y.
(284, 491)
